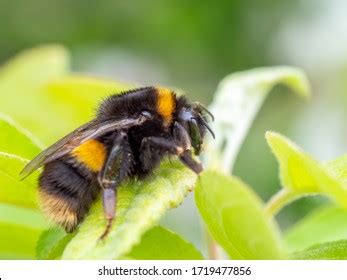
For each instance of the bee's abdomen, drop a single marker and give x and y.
(91, 154)
(66, 192)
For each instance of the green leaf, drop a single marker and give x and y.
(234, 216)
(76, 98)
(16, 140)
(26, 101)
(326, 225)
(85, 89)
(237, 101)
(160, 243)
(32, 67)
(13, 190)
(301, 175)
(19, 231)
(51, 102)
(336, 250)
(140, 205)
(52, 243)
(15, 215)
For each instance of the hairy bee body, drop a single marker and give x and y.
(129, 137)
(66, 190)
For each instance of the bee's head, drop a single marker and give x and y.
(194, 119)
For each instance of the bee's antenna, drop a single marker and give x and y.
(202, 107)
(207, 126)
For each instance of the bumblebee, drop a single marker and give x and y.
(130, 135)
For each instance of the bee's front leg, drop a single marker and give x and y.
(152, 146)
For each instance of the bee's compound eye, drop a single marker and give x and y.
(146, 114)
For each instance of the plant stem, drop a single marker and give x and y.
(278, 201)
(213, 253)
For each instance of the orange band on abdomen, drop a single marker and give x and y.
(92, 154)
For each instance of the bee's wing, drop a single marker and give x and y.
(90, 130)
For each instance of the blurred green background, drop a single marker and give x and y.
(192, 45)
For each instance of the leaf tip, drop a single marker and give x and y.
(272, 136)
(302, 84)
(275, 138)
(296, 79)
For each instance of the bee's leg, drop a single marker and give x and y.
(157, 146)
(115, 170)
(187, 159)
(181, 136)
